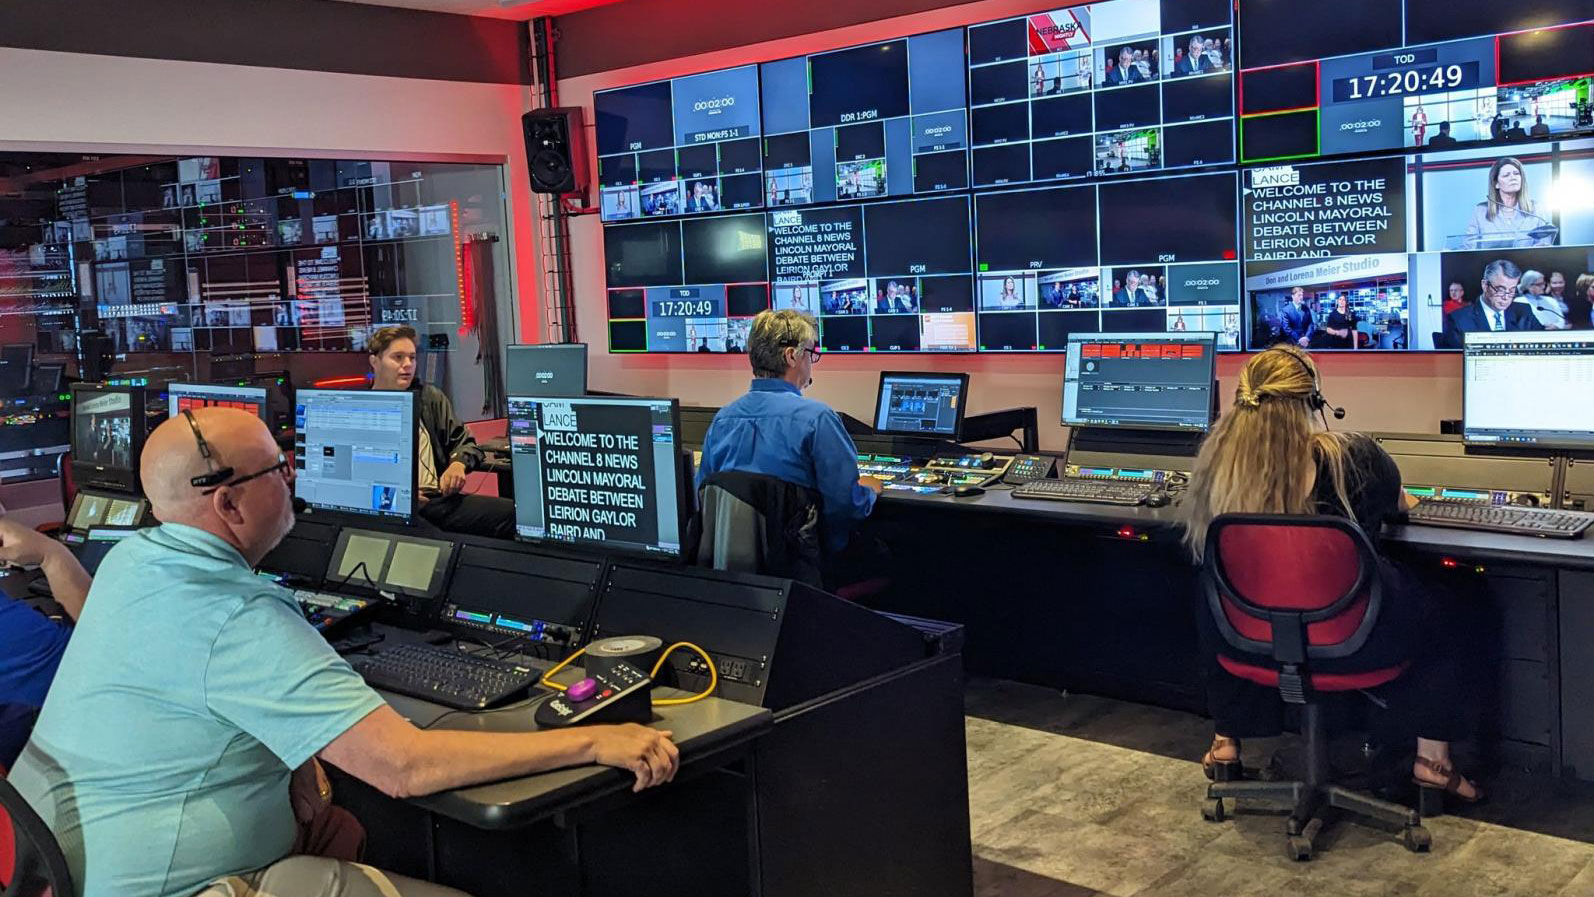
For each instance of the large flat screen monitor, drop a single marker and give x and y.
(1139, 381)
(189, 396)
(921, 404)
(356, 451)
(108, 429)
(1526, 389)
(555, 370)
(602, 473)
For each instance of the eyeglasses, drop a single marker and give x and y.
(282, 465)
(1499, 290)
(813, 353)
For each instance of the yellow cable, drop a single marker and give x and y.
(713, 674)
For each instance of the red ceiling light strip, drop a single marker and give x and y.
(335, 382)
(464, 276)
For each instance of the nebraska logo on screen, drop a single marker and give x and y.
(1280, 176)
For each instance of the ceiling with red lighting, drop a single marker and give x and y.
(518, 10)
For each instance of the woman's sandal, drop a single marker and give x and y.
(1431, 797)
(1222, 770)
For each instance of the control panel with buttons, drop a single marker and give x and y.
(623, 694)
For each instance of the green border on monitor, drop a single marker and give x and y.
(1317, 112)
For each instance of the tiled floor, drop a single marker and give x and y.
(1075, 796)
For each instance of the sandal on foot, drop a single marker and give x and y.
(1222, 770)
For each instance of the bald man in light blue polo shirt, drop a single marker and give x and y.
(192, 689)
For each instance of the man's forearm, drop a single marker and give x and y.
(444, 759)
(69, 582)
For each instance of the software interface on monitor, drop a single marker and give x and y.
(1139, 380)
(189, 396)
(926, 404)
(356, 451)
(550, 371)
(1523, 388)
(597, 471)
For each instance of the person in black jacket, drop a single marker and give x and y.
(445, 451)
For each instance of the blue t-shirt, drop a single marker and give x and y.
(190, 691)
(776, 432)
(31, 646)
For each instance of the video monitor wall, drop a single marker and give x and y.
(1135, 256)
(884, 277)
(1412, 252)
(689, 285)
(1105, 88)
(883, 119)
(680, 147)
(1367, 75)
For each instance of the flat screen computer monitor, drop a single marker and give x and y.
(598, 472)
(107, 436)
(188, 396)
(1528, 389)
(554, 370)
(355, 451)
(16, 368)
(47, 378)
(367, 560)
(921, 404)
(1143, 381)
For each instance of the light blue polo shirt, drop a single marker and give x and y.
(189, 692)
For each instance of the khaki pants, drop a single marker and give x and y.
(305, 876)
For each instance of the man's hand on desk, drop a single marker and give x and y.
(647, 752)
(872, 484)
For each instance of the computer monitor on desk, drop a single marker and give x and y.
(551, 370)
(182, 397)
(599, 473)
(921, 404)
(108, 430)
(1528, 389)
(1142, 381)
(355, 451)
(400, 565)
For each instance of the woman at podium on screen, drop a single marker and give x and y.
(1269, 456)
(1506, 219)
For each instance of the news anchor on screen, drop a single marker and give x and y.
(1496, 310)
(1130, 295)
(1126, 72)
(1296, 323)
(1506, 218)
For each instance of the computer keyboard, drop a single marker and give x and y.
(1501, 519)
(445, 675)
(1107, 492)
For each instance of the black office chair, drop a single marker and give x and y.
(31, 862)
(751, 523)
(1288, 591)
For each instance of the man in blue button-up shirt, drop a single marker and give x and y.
(776, 432)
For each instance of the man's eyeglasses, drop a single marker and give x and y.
(282, 465)
(813, 353)
(1501, 290)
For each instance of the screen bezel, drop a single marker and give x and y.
(94, 476)
(414, 466)
(682, 489)
(1199, 336)
(554, 349)
(962, 409)
(1467, 437)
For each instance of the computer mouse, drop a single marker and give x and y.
(968, 491)
(1157, 500)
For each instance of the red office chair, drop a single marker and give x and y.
(31, 863)
(1291, 591)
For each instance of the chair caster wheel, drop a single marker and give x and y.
(1416, 839)
(1298, 849)
(1212, 809)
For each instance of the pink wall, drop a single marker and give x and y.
(1380, 392)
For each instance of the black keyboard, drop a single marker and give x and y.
(445, 675)
(1501, 519)
(1107, 492)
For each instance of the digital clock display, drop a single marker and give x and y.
(1407, 81)
(686, 308)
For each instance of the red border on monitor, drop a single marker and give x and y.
(1317, 86)
(1499, 83)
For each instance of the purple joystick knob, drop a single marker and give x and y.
(582, 690)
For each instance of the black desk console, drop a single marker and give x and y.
(532, 602)
(1442, 467)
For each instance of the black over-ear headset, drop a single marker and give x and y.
(217, 475)
(1316, 401)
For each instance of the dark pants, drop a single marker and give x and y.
(475, 515)
(1433, 698)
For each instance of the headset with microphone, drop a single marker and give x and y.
(1316, 401)
(218, 476)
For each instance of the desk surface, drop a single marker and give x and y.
(1473, 544)
(700, 730)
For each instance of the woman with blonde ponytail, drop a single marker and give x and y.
(1268, 455)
